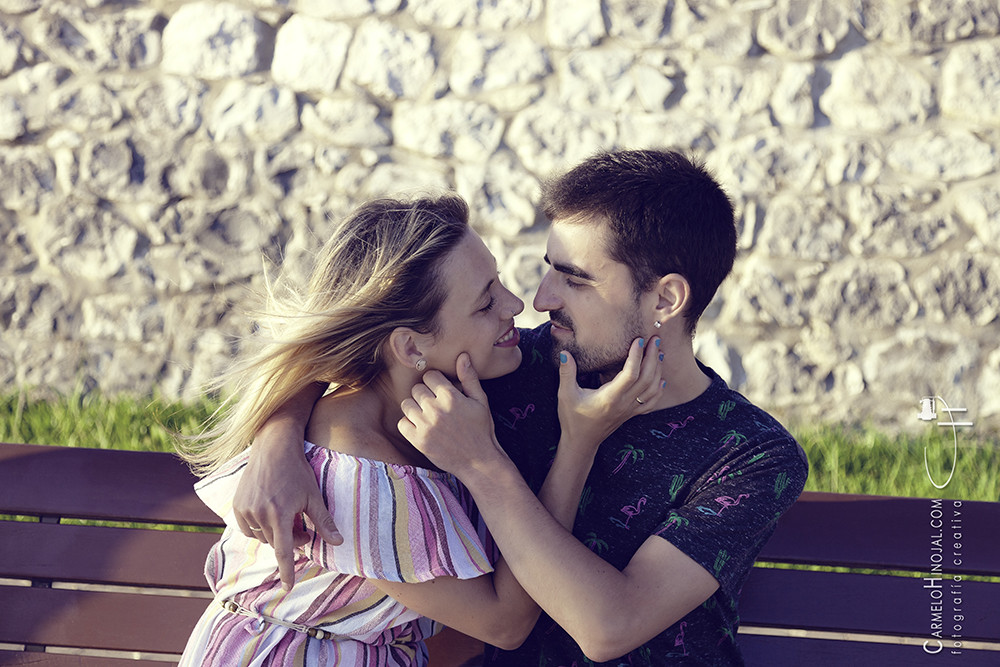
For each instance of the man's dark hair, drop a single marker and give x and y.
(666, 214)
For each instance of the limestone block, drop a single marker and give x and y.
(776, 376)
(36, 309)
(863, 296)
(548, 137)
(119, 368)
(970, 82)
(760, 292)
(875, 92)
(248, 111)
(342, 9)
(727, 36)
(392, 179)
(509, 14)
(733, 99)
(309, 54)
(961, 289)
(19, 6)
(904, 233)
(120, 317)
(949, 154)
(210, 172)
(804, 28)
(17, 257)
(765, 162)
(979, 205)
(573, 24)
(501, 194)
(445, 14)
(637, 22)
(713, 351)
(988, 388)
(84, 107)
(653, 82)
(168, 105)
(78, 38)
(469, 131)
(50, 369)
(850, 160)
(406, 60)
(917, 362)
(86, 240)
(12, 120)
(106, 167)
(596, 78)
(27, 178)
(803, 228)
(212, 40)
(346, 122)
(11, 43)
(929, 23)
(485, 62)
(670, 129)
(792, 99)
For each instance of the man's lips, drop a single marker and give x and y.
(560, 327)
(509, 339)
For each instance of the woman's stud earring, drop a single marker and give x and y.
(657, 324)
(421, 365)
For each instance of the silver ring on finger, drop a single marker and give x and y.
(256, 530)
(639, 401)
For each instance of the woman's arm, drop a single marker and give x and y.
(278, 485)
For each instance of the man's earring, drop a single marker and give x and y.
(657, 324)
(421, 365)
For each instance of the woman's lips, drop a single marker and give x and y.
(509, 339)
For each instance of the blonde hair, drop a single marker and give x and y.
(378, 271)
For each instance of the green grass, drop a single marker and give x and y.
(843, 458)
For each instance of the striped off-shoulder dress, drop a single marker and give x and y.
(400, 523)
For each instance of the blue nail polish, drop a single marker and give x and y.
(642, 341)
(562, 358)
(661, 356)
(657, 342)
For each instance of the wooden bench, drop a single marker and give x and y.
(121, 593)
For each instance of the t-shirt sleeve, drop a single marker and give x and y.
(733, 510)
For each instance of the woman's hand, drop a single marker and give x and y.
(453, 428)
(588, 416)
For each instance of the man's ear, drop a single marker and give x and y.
(408, 346)
(673, 294)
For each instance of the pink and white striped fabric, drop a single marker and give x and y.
(400, 523)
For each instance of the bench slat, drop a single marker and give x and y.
(765, 651)
(867, 604)
(91, 619)
(61, 481)
(64, 660)
(100, 555)
(883, 533)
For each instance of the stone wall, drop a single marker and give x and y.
(151, 153)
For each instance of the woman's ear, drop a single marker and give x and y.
(407, 347)
(673, 295)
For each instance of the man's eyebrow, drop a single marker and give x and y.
(569, 269)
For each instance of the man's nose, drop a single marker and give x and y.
(545, 298)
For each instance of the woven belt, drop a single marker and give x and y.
(315, 633)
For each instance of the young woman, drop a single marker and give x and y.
(401, 288)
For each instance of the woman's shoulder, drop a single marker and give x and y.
(346, 424)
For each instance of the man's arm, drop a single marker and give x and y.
(607, 611)
(278, 485)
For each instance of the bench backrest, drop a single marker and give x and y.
(141, 589)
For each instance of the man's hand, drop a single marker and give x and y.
(451, 428)
(588, 416)
(277, 486)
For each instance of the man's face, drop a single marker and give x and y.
(590, 298)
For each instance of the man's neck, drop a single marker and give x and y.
(685, 379)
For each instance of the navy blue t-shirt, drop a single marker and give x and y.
(711, 476)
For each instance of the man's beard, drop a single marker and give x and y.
(604, 359)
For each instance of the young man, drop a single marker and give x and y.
(679, 501)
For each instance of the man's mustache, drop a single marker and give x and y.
(560, 318)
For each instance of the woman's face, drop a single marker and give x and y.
(477, 315)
